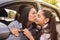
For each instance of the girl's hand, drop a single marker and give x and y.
(28, 34)
(15, 31)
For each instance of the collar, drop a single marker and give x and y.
(45, 26)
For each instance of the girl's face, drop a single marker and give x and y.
(40, 18)
(32, 15)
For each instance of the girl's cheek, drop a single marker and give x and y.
(38, 20)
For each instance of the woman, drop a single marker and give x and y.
(24, 19)
(28, 22)
(46, 21)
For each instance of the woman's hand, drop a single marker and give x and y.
(15, 31)
(28, 34)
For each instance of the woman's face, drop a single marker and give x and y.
(32, 15)
(40, 19)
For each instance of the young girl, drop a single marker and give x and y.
(46, 21)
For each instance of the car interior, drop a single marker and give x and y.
(7, 10)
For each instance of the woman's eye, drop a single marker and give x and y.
(34, 13)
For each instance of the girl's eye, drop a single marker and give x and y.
(38, 16)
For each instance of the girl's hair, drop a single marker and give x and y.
(23, 14)
(51, 25)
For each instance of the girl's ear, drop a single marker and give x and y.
(46, 20)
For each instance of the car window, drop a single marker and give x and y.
(53, 12)
(11, 14)
(12, 10)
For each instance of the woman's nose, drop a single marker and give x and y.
(35, 15)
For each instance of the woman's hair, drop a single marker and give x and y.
(51, 24)
(18, 13)
(23, 14)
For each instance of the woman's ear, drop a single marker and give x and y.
(46, 20)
